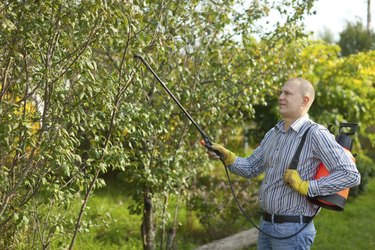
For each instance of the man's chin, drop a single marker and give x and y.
(283, 113)
(282, 110)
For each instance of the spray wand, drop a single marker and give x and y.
(206, 141)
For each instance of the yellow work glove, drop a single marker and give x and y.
(292, 178)
(227, 156)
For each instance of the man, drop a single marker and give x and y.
(282, 195)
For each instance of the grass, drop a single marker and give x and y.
(351, 229)
(348, 230)
(114, 228)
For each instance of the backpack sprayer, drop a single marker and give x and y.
(323, 201)
(336, 201)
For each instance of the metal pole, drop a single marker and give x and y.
(204, 135)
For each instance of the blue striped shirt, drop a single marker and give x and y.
(274, 155)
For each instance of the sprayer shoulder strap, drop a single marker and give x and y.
(295, 160)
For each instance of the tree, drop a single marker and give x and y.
(99, 110)
(368, 16)
(46, 51)
(344, 93)
(356, 38)
(327, 35)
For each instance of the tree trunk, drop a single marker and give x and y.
(368, 16)
(172, 231)
(170, 238)
(162, 233)
(147, 227)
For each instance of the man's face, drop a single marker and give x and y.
(291, 101)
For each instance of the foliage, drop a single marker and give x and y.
(344, 93)
(345, 90)
(356, 38)
(326, 35)
(334, 229)
(215, 209)
(366, 167)
(99, 110)
(109, 224)
(46, 61)
(75, 104)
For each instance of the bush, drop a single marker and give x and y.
(366, 167)
(216, 208)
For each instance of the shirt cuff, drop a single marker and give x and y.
(313, 189)
(234, 163)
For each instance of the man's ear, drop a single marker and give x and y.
(306, 100)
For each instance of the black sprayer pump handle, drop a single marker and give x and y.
(348, 128)
(207, 142)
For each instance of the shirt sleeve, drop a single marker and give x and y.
(251, 166)
(343, 171)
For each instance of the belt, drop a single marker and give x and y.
(286, 218)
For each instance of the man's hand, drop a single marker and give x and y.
(292, 178)
(228, 157)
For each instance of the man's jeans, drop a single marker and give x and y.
(301, 241)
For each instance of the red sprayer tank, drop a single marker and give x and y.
(336, 201)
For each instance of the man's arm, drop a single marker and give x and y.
(252, 166)
(343, 171)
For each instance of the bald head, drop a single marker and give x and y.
(305, 87)
(295, 99)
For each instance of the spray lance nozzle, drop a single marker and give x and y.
(208, 144)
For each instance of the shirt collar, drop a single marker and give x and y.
(296, 125)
